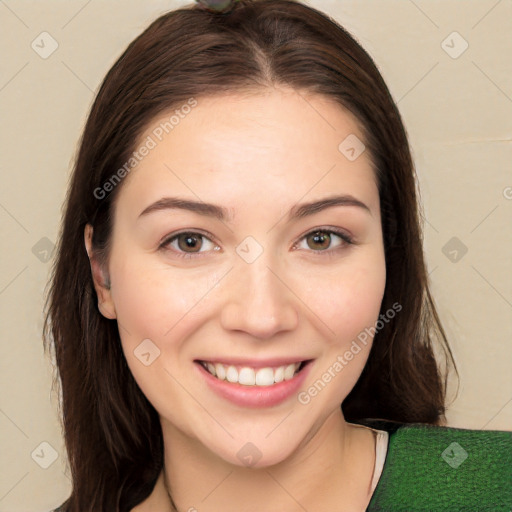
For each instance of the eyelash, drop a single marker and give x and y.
(348, 240)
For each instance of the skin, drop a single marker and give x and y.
(257, 155)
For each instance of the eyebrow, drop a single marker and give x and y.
(298, 211)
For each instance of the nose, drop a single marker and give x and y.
(258, 300)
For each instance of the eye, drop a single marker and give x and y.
(188, 243)
(320, 240)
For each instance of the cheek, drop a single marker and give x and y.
(156, 309)
(153, 301)
(349, 300)
(349, 304)
(163, 303)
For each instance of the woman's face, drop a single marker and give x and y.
(257, 288)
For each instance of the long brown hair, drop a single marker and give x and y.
(112, 433)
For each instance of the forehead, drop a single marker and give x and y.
(258, 147)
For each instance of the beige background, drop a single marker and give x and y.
(458, 114)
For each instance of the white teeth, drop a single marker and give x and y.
(220, 371)
(264, 377)
(247, 377)
(279, 374)
(232, 374)
(250, 376)
(289, 371)
(211, 368)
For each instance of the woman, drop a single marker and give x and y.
(240, 255)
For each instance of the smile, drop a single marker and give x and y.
(249, 376)
(254, 383)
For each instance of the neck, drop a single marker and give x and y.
(331, 469)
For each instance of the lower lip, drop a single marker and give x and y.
(255, 396)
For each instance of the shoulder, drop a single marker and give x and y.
(430, 467)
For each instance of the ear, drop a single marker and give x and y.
(100, 279)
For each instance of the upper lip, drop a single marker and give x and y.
(255, 363)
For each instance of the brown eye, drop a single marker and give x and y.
(319, 240)
(325, 241)
(189, 242)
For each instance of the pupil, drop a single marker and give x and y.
(190, 241)
(319, 236)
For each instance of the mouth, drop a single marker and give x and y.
(248, 375)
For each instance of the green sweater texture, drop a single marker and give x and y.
(431, 468)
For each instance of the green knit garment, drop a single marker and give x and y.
(445, 469)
